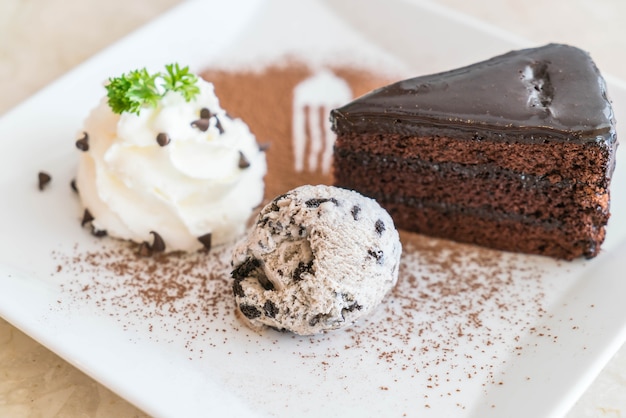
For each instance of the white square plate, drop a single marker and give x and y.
(516, 336)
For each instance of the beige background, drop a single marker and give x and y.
(42, 39)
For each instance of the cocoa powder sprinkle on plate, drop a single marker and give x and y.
(454, 315)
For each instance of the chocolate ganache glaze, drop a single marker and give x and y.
(555, 90)
(514, 153)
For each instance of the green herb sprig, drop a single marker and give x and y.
(138, 89)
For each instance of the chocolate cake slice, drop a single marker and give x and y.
(514, 153)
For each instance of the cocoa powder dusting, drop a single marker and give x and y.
(456, 314)
(263, 99)
(180, 294)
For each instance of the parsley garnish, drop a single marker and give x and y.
(181, 80)
(137, 89)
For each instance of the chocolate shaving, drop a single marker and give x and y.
(205, 240)
(163, 139)
(87, 217)
(44, 179)
(202, 124)
(205, 113)
(83, 143)
(158, 246)
(73, 185)
(243, 161)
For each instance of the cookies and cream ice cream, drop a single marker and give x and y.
(318, 259)
(179, 169)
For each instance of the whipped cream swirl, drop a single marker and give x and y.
(204, 174)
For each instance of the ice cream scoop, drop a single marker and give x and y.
(317, 259)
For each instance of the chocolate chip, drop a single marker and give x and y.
(315, 320)
(87, 217)
(263, 220)
(238, 289)
(264, 281)
(355, 212)
(264, 146)
(83, 143)
(98, 232)
(145, 250)
(377, 255)
(243, 161)
(354, 306)
(271, 207)
(73, 185)
(270, 309)
(244, 269)
(249, 311)
(202, 124)
(43, 178)
(163, 139)
(251, 267)
(205, 113)
(205, 240)
(350, 308)
(380, 227)
(158, 246)
(315, 203)
(275, 227)
(280, 197)
(301, 269)
(218, 125)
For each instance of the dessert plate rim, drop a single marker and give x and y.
(29, 298)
